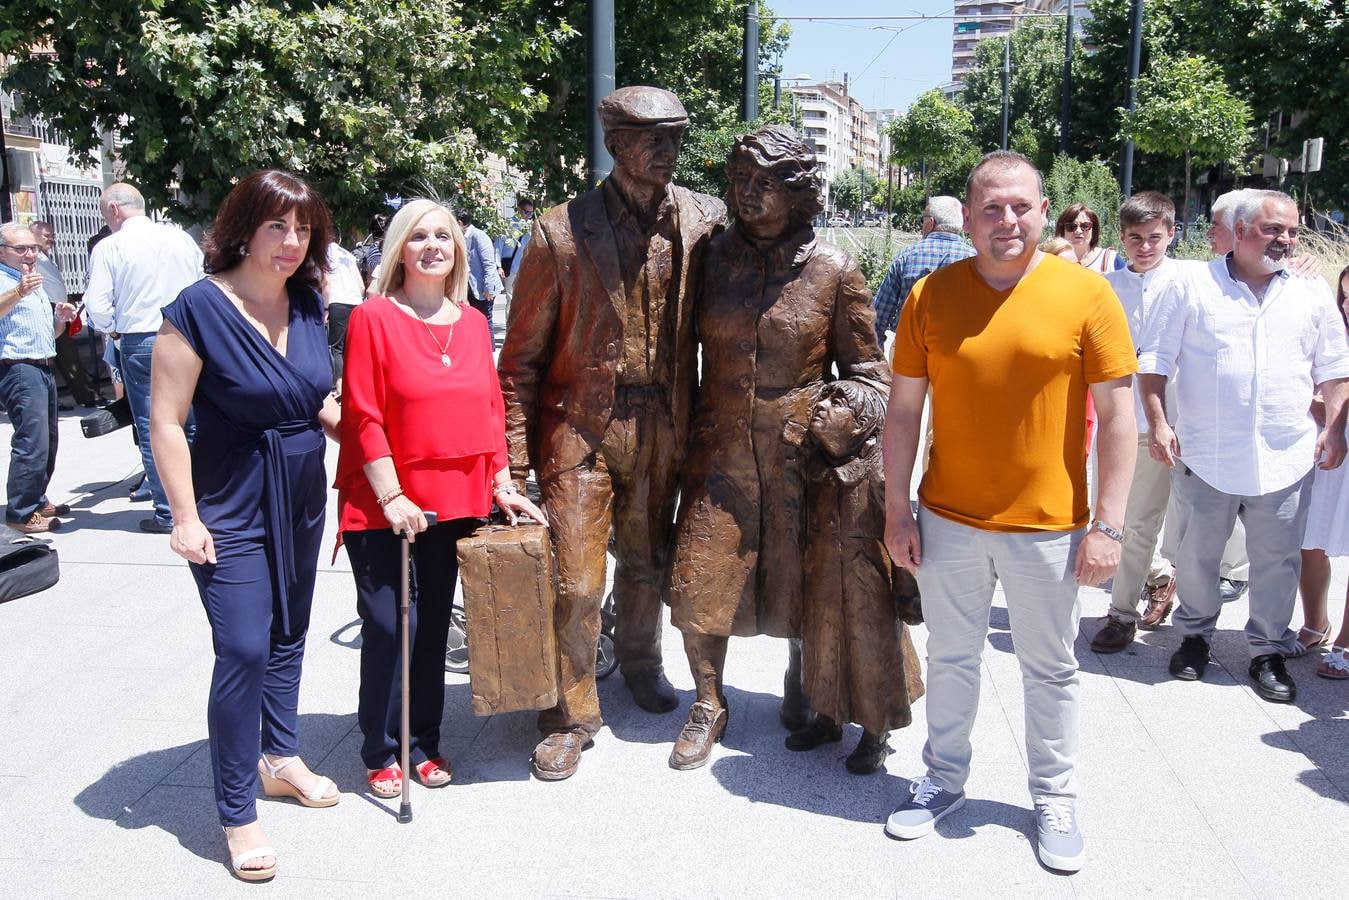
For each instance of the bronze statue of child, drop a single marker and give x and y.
(859, 663)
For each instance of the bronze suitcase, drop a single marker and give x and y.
(506, 575)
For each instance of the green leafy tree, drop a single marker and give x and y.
(1072, 181)
(702, 160)
(692, 48)
(851, 188)
(933, 136)
(1035, 91)
(1186, 109)
(363, 98)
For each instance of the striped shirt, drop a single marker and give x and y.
(28, 330)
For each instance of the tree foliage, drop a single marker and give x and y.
(363, 98)
(1035, 91)
(1072, 181)
(932, 136)
(692, 48)
(1186, 109)
(707, 144)
(851, 189)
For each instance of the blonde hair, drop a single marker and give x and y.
(396, 236)
(1055, 245)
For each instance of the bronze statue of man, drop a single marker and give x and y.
(598, 370)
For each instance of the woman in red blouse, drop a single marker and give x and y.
(423, 428)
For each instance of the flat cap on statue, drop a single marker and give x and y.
(642, 106)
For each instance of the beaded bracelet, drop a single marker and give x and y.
(392, 495)
(506, 487)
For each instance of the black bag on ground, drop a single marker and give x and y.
(115, 415)
(27, 565)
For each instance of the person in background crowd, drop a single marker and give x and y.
(423, 427)
(371, 248)
(1327, 535)
(1023, 338)
(1245, 441)
(941, 245)
(484, 276)
(510, 247)
(1147, 226)
(1060, 247)
(27, 388)
(67, 359)
(247, 349)
(134, 272)
(343, 291)
(1082, 228)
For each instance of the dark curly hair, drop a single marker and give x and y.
(781, 150)
(262, 196)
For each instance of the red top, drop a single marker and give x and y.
(444, 427)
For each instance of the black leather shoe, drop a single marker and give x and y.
(1271, 679)
(823, 730)
(154, 526)
(1189, 662)
(652, 692)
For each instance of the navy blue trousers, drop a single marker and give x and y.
(375, 562)
(28, 394)
(257, 665)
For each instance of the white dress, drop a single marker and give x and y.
(1328, 512)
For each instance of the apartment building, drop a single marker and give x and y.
(843, 133)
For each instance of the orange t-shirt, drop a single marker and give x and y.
(1009, 372)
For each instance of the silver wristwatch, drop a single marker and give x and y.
(1113, 533)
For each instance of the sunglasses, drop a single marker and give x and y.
(1077, 226)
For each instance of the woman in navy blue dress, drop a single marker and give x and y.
(246, 349)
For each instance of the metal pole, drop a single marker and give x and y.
(1006, 83)
(777, 91)
(1065, 114)
(749, 110)
(600, 53)
(6, 208)
(1135, 59)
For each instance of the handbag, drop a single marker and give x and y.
(115, 415)
(27, 566)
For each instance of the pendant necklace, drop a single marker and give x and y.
(444, 350)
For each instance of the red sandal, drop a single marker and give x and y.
(393, 774)
(427, 772)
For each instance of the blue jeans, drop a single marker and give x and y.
(28, 394)
(135, 351)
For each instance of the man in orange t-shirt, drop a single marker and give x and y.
(1011, 342)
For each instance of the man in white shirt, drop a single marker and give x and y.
(1251, 344)
(133, 273)
(343, 291)
(1147, 226)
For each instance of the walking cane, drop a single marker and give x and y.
(405, 628)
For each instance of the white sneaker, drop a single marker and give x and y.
(919, 815)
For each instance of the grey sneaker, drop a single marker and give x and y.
(1060, 840)
(919, 815)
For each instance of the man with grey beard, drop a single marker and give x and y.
(1251, 344)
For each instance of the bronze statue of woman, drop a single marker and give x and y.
(779, 315)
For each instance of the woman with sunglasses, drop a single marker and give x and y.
(1082, 228)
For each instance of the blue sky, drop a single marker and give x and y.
(917, 58)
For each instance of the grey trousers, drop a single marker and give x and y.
(960, 567)
(1274, 522)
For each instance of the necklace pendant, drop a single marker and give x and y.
(445, 360)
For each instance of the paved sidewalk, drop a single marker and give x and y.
(1191, 790)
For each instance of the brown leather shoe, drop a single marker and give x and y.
(705, 727)
(52, 510)
(652, 692)
(1160, 601)
(559, 755)
(37, 524)
(1114, 637)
